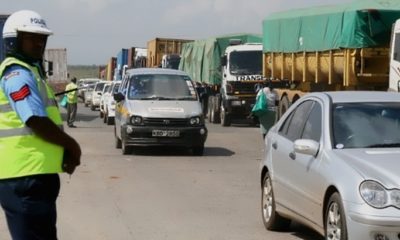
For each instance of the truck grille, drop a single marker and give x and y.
(170, 122)
(243, 87)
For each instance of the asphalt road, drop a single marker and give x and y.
(164, 193)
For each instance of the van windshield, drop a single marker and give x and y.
(161, 87)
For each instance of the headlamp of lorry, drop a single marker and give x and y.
(229, 88)
(195, 121)
(136, 120)
(374, 194)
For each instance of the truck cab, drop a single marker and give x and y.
(241, 70)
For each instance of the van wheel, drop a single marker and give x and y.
(198, 150)
(126, 149)
(118, 143)
(110, 120)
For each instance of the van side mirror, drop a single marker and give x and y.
(224, 60)
(118, 96)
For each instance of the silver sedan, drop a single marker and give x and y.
(332, 162)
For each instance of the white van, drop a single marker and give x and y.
(394, 72)
(158, 107)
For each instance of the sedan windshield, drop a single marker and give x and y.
(366, 125)
(161, 87)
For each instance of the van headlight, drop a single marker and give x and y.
(378, 196)
(195, 121)
(136, 120)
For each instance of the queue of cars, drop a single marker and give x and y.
(330, 162)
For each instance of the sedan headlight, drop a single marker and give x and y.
(136, 120)
(378, 196)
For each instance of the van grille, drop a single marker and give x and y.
(171, 122)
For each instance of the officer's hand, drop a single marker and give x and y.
(72, 159)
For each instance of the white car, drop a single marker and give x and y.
(96, 95)
(84, 84)
(104, 95)
(332, 163)
(109, 103)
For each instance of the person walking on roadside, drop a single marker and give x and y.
(267, 118)
(34, 148)
(72, 102)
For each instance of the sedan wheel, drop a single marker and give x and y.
(335, 222)
(272, 220)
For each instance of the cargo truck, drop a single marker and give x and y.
(159, 47)
(226, 69)
(342, 47)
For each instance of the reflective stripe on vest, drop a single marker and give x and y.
(23, 152)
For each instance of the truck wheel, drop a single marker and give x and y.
(283, 105)
(216, 110)
(225, 119)
(209, 110)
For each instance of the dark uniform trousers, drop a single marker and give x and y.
(30, 206)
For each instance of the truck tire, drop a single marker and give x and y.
(216, 108)
(225, 118)
(209, 109)
(283, 106)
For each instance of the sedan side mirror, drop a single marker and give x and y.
(119, 96)
(306, 146)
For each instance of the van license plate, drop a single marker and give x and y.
(165, 133)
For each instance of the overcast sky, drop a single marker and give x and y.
(95, 30)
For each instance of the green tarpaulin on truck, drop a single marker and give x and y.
(359, 24)
(201, 59)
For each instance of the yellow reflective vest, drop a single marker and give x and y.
(22, 152)
(72, 97)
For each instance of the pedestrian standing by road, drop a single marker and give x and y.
(72, 102)
(267, 117)
(34, 148)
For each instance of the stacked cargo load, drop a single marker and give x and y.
(342, 47)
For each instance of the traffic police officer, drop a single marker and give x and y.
(33, 146)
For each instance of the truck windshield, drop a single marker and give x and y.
(161, 87)
(245, 63)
